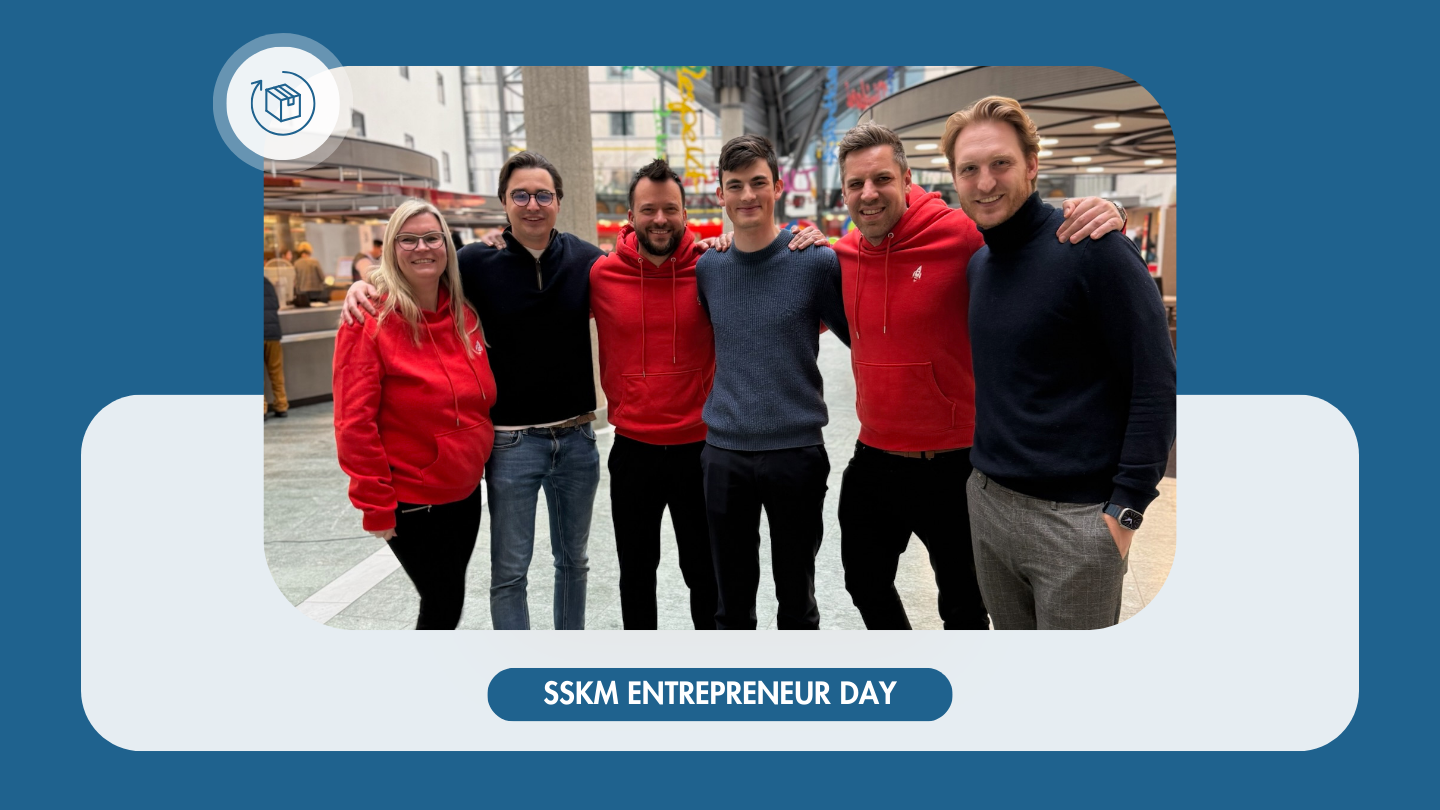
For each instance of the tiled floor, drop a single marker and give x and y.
(323, 560)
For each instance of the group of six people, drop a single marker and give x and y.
(1015, 387)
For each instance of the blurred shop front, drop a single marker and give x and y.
(338, 208)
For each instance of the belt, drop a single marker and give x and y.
(570, 423)
(920, 453)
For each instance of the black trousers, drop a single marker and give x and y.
(644, 479)
(433, 545)
(790, 486)
(883, 500)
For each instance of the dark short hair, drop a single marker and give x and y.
(746, 149)
(529, 160)
(380, 243)
(658, 171)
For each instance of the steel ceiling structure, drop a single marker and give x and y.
(783, 103)
(1064, 102)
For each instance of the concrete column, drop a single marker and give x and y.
(732, 125)
(557, 125)
(284, 239)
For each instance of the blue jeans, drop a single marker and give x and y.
(566, 463)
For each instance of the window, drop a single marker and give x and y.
(674, 124)
(405, 71)
(357, 123)
(445, 165)
(440, 87)
(622, 123)
(409, 142)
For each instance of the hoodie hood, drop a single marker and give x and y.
(627, 247)
(657, 352)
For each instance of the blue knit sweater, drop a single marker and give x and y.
(767, 308)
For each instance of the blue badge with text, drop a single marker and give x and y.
(720, 694)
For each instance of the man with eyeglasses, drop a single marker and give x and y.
(533, 298)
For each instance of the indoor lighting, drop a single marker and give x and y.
(1046, 153)
(1111, 123)
(1049, 141)
(938, 160)
(1095, 169)
(926, 147)
(1155, 162)
(1081, 159)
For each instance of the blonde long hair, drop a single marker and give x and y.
(399, 293)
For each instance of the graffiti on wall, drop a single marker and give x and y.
(859, 98)
(662, 136)
(800, 181)
(685, 78)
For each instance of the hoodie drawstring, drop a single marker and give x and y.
(454, 397)
(885, 324)
(642, 320)
(860, 285)
(674, 317)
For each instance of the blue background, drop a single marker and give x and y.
(1308, 204)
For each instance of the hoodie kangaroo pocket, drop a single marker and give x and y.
(901, 398)
(459, 458)
(660, 401)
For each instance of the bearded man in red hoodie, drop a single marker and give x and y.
(657, 362)
(907, 302)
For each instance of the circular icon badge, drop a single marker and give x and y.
(284, 100)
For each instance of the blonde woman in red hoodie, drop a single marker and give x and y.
(413, 392)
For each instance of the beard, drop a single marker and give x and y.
(664, 248)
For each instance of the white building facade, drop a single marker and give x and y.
(418, 107)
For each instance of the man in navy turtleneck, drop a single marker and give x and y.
(1074, 388)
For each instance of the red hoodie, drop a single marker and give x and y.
(908, 304)
(657, 351)
(412, 423)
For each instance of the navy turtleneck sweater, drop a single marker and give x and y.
(1074, 371)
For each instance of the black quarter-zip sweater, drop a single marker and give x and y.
(1074, 371)
(536, 317)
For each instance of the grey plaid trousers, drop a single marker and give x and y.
(1043, 565)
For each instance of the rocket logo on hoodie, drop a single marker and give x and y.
(915, 276)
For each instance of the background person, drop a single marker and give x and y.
(413, 393)
(366, 260)
(274, 356)
(309, 278)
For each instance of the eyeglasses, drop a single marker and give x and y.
(409, 241)
(542, 198)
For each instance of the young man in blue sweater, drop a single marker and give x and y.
(1074, 388)
(764, 448)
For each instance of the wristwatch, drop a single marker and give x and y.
(1124, 217)
(1127, 517)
